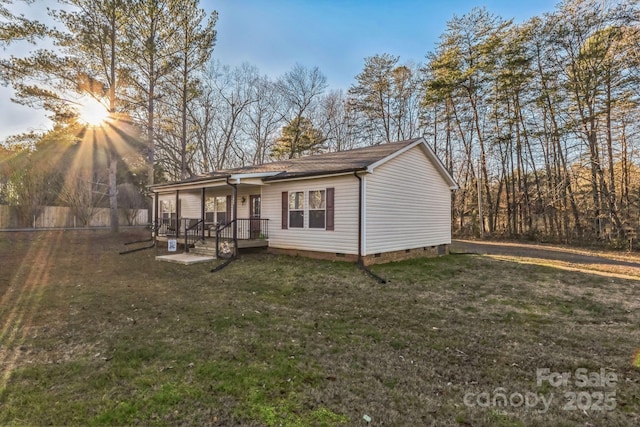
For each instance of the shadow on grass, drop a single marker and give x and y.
(276, 340)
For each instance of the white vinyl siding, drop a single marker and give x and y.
(244, 208)
(408, 205)
(190, 203)
(166, 197)
(343, 239)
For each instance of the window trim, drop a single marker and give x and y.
(329, 209)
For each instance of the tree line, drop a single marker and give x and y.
(537, 122)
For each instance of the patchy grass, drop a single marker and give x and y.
(89, 337)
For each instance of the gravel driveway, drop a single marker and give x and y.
(621, 263)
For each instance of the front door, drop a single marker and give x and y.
(254, 215)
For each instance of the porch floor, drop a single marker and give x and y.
(185, 258)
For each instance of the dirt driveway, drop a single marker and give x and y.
(613, 264)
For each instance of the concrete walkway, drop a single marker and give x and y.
(185, 258)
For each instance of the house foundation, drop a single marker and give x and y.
(381, 258)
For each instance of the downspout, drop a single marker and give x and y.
(235, 217)
(360, 263)
(177, 214)
(360, 185)
(156, 225)
(202, 203)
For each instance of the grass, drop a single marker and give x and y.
(89, 337)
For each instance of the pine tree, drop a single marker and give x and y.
(298, 138)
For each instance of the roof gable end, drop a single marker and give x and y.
(434, 160)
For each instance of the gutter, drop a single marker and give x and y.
(194, 182)
(290, 176)
(360, 263)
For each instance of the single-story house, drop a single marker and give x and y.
(372, 204)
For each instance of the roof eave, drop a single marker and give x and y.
(315, 174)
(177, 184)
(262, 175)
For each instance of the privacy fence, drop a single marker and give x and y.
(58, 216)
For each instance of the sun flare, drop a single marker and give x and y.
(92, 112)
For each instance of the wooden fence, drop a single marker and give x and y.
(58, 216)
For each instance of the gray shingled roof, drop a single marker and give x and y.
(318, 164)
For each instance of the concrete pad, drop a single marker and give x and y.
(185, 259)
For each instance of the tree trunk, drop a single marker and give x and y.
(113, 193)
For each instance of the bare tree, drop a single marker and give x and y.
(131, 201)
(83, 193)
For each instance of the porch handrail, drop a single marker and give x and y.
(219, 229)
(168, 228)
(192, 231)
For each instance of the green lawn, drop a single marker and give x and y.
(89, 337)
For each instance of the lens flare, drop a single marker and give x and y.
(92, 112)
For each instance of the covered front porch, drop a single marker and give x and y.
(214, 218)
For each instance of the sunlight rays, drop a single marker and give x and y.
(95, 145)
(88, 150)
(591, 268)
(24, 296)
(92, 112)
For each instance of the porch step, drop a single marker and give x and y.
(207, 247)
(203, 251)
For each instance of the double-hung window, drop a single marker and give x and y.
(317, 209)
(216, 210)
(311, 209)
(168, 211)
(296, 209)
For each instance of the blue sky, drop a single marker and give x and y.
(335, 35)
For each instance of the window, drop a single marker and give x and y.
(168, 211)
(320, 209)
(317, 209)
(209, 210)
(296, 209)
(216, 210)
(221, 209)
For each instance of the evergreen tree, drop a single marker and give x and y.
(298, 138)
